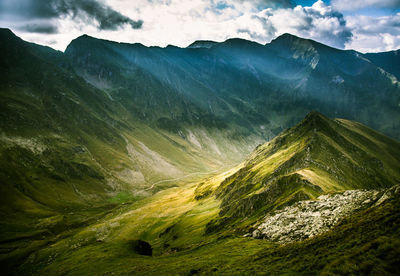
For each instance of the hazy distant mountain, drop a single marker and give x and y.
(262, 89)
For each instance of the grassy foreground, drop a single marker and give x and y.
(197, 227)
(173, 222)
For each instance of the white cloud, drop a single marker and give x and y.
(319, 22)
(180, 22)
(346, 5)
(374, 34)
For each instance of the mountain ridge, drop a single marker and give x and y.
(315, 157)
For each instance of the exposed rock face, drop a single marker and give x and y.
(308, 218)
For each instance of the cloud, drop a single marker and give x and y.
(270, 3)
(319, 22)
(180, 22)
(88, 11)
(43, 28)
(346, 5)
(374, 34)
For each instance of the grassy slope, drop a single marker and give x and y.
(176, 223)
(317, 156)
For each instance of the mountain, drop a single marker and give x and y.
(388, 61)
(315, 157)
(261, 89)
(53, 126)
(202, 44)
(67, 145)
(302, 169)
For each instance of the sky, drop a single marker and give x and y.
(362, 25)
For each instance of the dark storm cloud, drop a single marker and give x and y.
(42, 28)
(87, 10)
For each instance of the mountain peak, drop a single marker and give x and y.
(6, 31)
(202, 44)
(84, 36)
(315, 121)
(288, 40)
(239, 42)
(301, 164)
(83, 39)
(7, 34)
(287, 36)
(315, 115)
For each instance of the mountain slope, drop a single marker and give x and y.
(48, 118)
(257, 88)
(163, 84)
(202, 44)
(67, 144)
(366, 242)
(388, 61)
(341, 79)
(177, 222)
(315, 157)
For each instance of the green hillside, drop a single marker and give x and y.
(317, 156)
(199, 227)
(367, 242)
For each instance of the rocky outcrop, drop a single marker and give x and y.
(308, 218)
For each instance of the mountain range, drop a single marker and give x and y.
(263, 89)
(109, 150)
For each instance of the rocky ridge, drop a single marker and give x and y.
(309, 218)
